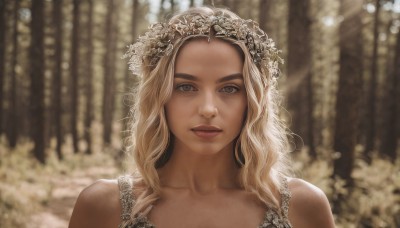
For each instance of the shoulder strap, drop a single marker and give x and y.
(126, 196)
(286, 195)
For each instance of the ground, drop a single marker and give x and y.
(57, 211)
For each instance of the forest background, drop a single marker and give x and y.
(64, 99)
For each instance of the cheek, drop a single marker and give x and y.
(237, 112)
(243, 111)
(175, 111)
(241, 106)
(243, 116)
(169, 113)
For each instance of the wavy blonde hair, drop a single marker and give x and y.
(260, 148)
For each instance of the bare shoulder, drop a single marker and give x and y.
(309, 206)
(97, 206)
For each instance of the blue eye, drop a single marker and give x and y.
(230, 89)
(185, 88)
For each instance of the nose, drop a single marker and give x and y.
(208, 108)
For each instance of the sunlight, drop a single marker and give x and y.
(395, 27)
(382, 37)
(155, 7)
(396, 7)
(370, 8)
(388, 6)
(328, 21)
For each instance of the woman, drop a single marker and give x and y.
(207, 141)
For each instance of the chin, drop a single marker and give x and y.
(210, 149)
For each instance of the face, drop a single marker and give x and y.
(206, 110)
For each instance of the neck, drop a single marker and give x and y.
(200, 173)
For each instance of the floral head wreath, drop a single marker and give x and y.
(159, 40)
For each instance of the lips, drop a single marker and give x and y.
(206, 131)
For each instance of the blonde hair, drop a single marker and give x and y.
(260, 148)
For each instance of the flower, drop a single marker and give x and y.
(159, 39)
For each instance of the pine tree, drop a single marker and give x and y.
(37, 80)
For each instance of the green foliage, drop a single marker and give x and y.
(374, 201)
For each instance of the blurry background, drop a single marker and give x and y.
(64, 99)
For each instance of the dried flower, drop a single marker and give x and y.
(159, 39)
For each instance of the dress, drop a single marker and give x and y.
(272, 218)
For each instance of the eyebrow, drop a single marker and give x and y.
(223, 79)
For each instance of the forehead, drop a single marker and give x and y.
(216, 57)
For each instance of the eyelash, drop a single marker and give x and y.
(235, 88)
(180, 88)
(192, 88)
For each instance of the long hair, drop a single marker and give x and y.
(260, 148)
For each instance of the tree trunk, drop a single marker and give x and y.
(161, 12)
(300, 103)
(109, 73)
(89, 79)
(191, 3)
(2, 58)
(235, 6)
(37, 80)
(172, 6)
(128, 81)
(57, 80)
(263, 16)
(349, 92)
(205, 2)
(74, 74)
(371, 117)
(390, 132)
(13, 111)
(266, 20)
(221, 3)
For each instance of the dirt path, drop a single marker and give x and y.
(67, 187)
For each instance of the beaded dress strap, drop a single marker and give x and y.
(126, 197)
(279, 218)
(286, 195)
